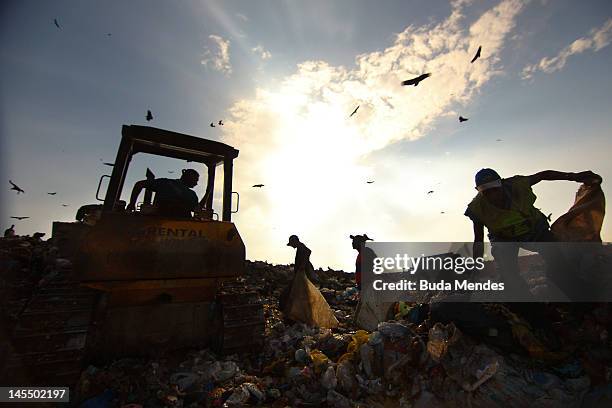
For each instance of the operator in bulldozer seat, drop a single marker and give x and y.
(173, 197)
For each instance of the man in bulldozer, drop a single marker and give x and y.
(173, 197)
(505, 207)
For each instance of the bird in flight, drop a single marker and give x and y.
(170, 171)
(221, 123)
(442, 212)
(15, 187)
(56, 23)
(212, 124)
(149, 115)
(386, 101)
(53, 193)
(415, 81)
(355, 111)
(499, 140)
(430, 192)
(65, 205)
(462, 119)
(370, 182)
(477, 55)
(258, 185)
(20, 218)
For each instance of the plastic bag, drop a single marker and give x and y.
(328, 379)
(319, 360)
(584, 219)
(371, 310)
(345, 374)
(307, 305)
(360, 337)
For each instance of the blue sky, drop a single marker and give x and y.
(284, 75)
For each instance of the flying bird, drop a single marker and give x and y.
(415, 81)
(386, 101)
(212, 124)
(65, 205)
(56, 23)
(258, 185)
(370, 182)
(20, 218)
(462, 119)
(170, 171)
(15, 187)
(499, 140)
(221, 123)
(54, 193)
(108, 34)
(430, 192)
(149, 115)
(442, 212)
(355, 111)
(477, 55)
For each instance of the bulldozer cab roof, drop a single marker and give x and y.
(161, 142)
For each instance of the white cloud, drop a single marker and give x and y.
(597, 39)
(261, 52)
(297, 138)
(218, 57)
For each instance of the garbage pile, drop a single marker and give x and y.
(489, 356)
(26, 262)
(423, 355)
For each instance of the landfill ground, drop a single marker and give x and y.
(438, 355)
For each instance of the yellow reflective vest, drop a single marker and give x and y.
(512, 222)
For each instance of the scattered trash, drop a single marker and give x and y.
(431, 355)
(328, 379)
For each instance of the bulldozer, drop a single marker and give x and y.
(141, 282)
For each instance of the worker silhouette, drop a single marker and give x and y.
(9, 232)
(365, 256)
(505, 207)
(173, 197)
(302, 258)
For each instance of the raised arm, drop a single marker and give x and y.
(478, 247)
(552, 175)
(138, 187)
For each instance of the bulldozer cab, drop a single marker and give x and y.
(146, 245)
(143, 139)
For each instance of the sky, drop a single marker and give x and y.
(284, 77)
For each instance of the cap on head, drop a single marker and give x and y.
(486, 179)
(190, 172)
(360, 238)
(293, 239)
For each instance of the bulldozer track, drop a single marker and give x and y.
(243, 319)
(49, 340)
